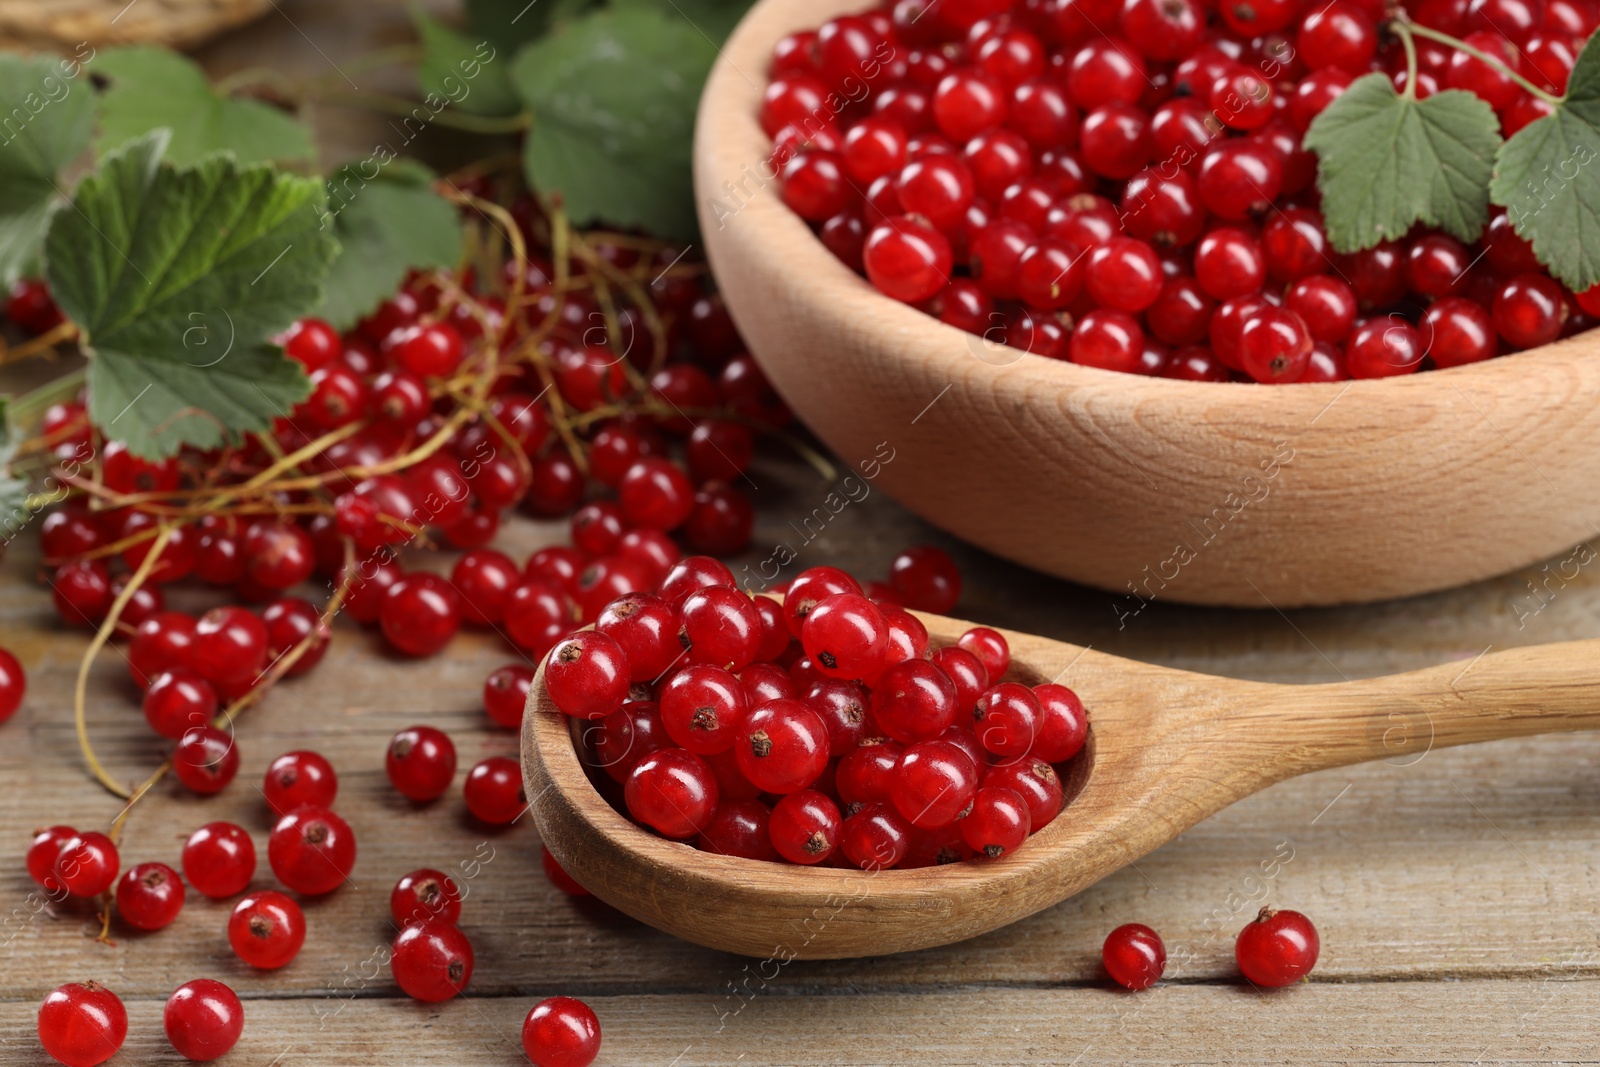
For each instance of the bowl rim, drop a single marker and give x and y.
(727, 130)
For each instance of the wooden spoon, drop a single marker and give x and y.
(1167, 748)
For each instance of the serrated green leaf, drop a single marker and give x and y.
(1387, 162)
(177, 276)
(14, 513)
(509, 24)
(714, 18)
(151, 88)
(471, 72)
(386, 224)
(1544, 180)
(613, 97)
(49, 124)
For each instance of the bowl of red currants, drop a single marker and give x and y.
(1066, 262)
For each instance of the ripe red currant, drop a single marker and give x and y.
(421, 763)
(672, 790)
(425, 894)
(266, 929)
(804, 827)
(1277, 949)
(298, 778)
(82, 1025)
(1134, 956)
(561, 1032)
(203, 1019)
(87, 864)
(312, 850)
(493, 791)
(219, 859)
(149, 896)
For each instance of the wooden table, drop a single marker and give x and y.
(1455, 894)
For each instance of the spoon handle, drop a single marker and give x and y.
(1402, 717)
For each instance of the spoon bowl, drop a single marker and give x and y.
(1166, 749)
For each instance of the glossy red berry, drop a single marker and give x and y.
(206, 759)
(1277, 949)
(998, 823)
(1326, 304)
(81, 591)
(420, 613)
(1529, 311)
(229, 646)
(782, 746)
(312, 850)
(1109, 340)
(914, 701)
(1383, 348)
(505, 694)
(421, 763)
(1239, 178)
(1006, 719)
(1339, 35)
(1134, 956)
(875, 837)
(425, 894)
(82, 1025)
(298, 778)
(1228, 263)
(493, 791)
(177, 701)
(702, 708)
(219, 859)
(934, 784)
(149, 896)
(431, 961)
(1124, 274)
(266, 930)
(1036, 782)
(587, 675)
(203, 1019)
(846, 636)
(1063, 724)
(1460, 332)
(42, 853)
(927, 579)
(805, 827)
(1275, 346)
(991, 649)
(673, 791)
(907, 259)
(561, 1032)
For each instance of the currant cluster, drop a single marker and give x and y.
(820, 730)
(1123, 183)
(1277, 948)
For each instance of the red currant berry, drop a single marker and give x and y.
(782, 746)
(203, 1019)
(266, 930)
(177, 701)
(1063, 724)
(431, 961)
(42, 854)
(219, 859)
(1239, 178)
(82, 593)
(927, 579)
(1326, 304)
(493, 791)
(805, 826)
(1275, 346)
(1134, 956)
(1529, 311)
(934, 784)
(421, 612)
(1182, 312)
(739, 828)
(1228, 263)
(1383, 348)
(149, 896)
(505, 694)
(297, 778)
(229, 646)
(423, 895)
(421, 763)
(846, 636)
(312, 850)
(291, 622)
(1124, 275)
(1110, 340)
(907, 259)
(82, 1025)
(587, 675)
(874, 838)
(1115, 141)
(1036, 782)
(561, 1032)
(998, 822)
(991, 649)
(1461, 332)
(1279, 948)
(206, 759)
(673, 791)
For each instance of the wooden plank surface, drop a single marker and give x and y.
(1456, 895)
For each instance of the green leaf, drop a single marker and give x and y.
(14, 513)
(470, 72)
(152, 88)
(388, 219)
(613, 97)
(1389, 161)
(714, 18)
(510, 24)
(177, 276)
(1544, 180)
(49, 124)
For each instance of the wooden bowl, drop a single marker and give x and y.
(1211, 494)
(64, 24)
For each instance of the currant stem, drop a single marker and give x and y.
(1403, 31)
(102, 635)
(1431, 34)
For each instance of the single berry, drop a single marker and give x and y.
(203, 1019)
(805, 826)
(1134, 956)
(673, 791)
(219, 859)
(206, 759)
(87, 864)
(587, 675)
(1279, 948)
(266, 929)
(425, 894)
(493, 791)
(421, 763)
(782, 746)
(298, 778)
(998, 822)
(561, 1032)
(312, 851)
(431, 961)
(82, 1025)
(149, 896)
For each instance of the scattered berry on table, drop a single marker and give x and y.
(1134, 956)
(266, 929)
(203, 1019)
(81, 1025)
(1277, 948)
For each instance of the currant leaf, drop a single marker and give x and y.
(1387, 161)
(152, 88)
(50, 123)
(713, 18)
(14, 512)
(1544, 180)
(468, 71)
(386, 223)
(613, 97)
(513, 23)
(176, 277)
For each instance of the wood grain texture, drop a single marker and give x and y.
(1230, 494)
(1456, 895)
